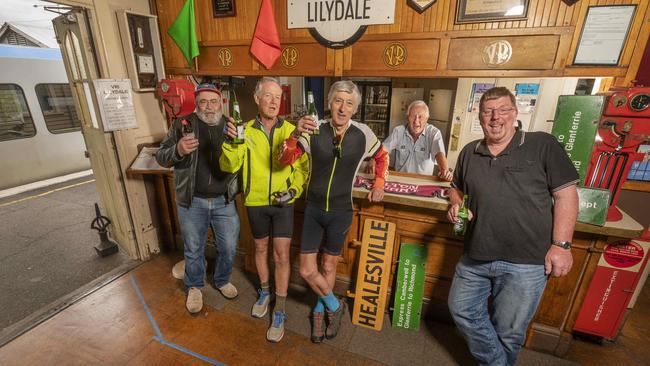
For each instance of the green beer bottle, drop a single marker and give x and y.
(311, 111)
(239, 124)
(460, 226)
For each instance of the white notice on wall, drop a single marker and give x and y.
(116, 104)
(604, 34)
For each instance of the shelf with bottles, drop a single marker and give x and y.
(377, 95)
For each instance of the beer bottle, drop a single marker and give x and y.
(460, 226)
(311, 111)
(186, 128)
(239, 124)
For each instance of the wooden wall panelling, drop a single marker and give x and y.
(373, 57)
(302, 59)
(528, 52)
(579, 17)
(544, 18)
(167, 10)
(641, 44)
(225, 60)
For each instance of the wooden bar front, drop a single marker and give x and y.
(423, 220)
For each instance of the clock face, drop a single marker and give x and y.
(640, 102)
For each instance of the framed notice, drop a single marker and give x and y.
(604, 34)
(115, 104)
(223, 8)
(476, 11)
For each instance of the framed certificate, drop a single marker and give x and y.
(476, 11)
(604, 34)
(223, 8)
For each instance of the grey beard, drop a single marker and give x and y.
(212, 120)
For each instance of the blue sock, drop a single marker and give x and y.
(331, 302)
(320, 306)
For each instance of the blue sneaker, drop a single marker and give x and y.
(261, 306)
(276, 330)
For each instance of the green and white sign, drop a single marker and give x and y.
(594, 203)
(575, 127)
(410, 286)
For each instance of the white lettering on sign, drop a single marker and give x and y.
(338, 20)
(603, 300)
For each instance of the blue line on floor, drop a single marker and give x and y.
(159, 337)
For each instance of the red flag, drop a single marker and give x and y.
(266, 42)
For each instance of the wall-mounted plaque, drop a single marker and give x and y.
(476, 11)
(223, 8)
(604, 34)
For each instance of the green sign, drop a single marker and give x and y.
(410, 285)
(575, 127)
(594, 203)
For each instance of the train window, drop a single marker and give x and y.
(58, 108)
(15, 119)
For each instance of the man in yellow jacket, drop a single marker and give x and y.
(269, 189)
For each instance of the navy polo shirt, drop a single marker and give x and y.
(511, 195)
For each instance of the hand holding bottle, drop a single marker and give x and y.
(188, 142)
(238, 123)
(460, 215)
(231, 128)
(305, 124)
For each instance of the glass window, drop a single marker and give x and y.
(58, 108)
(15, 120)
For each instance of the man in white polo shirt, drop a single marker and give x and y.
(417, 145)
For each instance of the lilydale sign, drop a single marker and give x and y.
(338, 23)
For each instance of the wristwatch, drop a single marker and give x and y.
(562, 244)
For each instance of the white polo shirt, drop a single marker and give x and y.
(414, 156)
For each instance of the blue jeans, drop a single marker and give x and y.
(496, 338)
(194, 222)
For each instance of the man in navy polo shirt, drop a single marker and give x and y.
(523, 206)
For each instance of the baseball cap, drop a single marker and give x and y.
(207, 87)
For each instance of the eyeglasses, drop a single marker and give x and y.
(204, 102)
(337, 151)
(499, 111)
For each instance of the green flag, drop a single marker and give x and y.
(183, 32)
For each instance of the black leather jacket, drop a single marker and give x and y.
(185, 166)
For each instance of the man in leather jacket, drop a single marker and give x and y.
(204, 193)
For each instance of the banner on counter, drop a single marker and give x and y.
(410, 286)
(373, 275)
(338, 23)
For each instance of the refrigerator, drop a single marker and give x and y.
(375, 106)
(440, 107)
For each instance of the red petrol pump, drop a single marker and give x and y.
(624, 125)
(622, 267)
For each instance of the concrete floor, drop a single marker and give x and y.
(46, 247)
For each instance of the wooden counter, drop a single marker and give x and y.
(423, 220)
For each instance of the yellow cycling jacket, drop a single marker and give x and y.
(262, 172)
